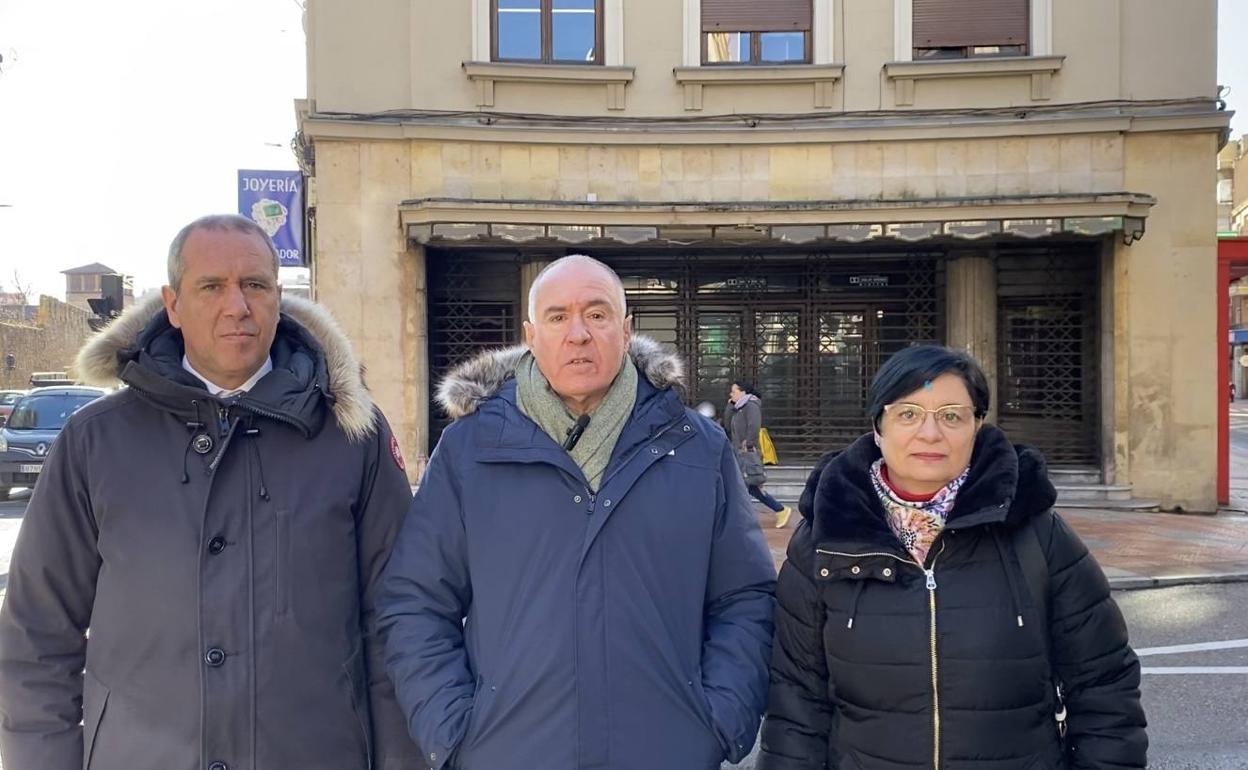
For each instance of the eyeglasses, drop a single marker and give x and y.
(951, 417)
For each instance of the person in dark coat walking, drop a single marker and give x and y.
(743, 417)
(581, 582)
(933, 601)
(219, 527)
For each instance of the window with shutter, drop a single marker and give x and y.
(959, 29)
(756, 31)
(546, 31)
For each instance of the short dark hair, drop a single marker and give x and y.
(746, 386)
(911, 368)
(219, 222)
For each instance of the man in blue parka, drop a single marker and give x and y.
(580, 583)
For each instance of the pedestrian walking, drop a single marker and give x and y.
(933, 604)
(219, 527)
(744, 418)
(581, 582)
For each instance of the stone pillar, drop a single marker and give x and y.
(971, 311)
(528, 274)
(1120, 446)
(416, 351)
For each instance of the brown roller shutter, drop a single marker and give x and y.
(755, 15)
(960, 23)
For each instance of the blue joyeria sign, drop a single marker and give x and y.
(274, 200)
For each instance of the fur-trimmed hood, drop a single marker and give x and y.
(470, 383)
(1006, 483)
(109, 357)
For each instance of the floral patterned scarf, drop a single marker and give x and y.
(916, 525)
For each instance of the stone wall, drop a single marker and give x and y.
(48, 345)
(1039, 165)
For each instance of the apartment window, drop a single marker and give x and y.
(965, 29)
(547, 31)
(83, 284)
(756, 31)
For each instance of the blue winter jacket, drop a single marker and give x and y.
(531, 623)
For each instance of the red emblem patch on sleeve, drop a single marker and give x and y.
(396, 454)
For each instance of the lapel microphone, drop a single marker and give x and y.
(574, 433)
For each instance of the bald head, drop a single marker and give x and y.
(577, 330)
(580, 262)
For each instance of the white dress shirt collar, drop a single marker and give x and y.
(217, 390)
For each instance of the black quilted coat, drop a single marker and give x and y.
(879, 664)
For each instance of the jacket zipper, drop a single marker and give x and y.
(623, 463)
(869, 553)
(262, 412)
(930, 572)
(223, 411)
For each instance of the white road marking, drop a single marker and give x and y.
(1230, 644)
(1219, 670)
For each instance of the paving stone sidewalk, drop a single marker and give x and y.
(1136, 550)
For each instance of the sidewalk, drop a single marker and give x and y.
(1136, 550)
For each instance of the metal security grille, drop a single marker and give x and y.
(1048, 351)
(474, 305)
(808, 330)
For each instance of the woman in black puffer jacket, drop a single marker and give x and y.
(907, 635)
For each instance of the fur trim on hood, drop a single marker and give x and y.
(468, 384)
(102, 358)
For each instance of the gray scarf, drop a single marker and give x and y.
(543, 406)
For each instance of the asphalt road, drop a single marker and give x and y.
(1197, 720)
(1196, 699)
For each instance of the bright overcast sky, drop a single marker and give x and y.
(122, 121)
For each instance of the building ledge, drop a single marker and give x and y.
(822, 76)
(1039, 68)
(467, 221)
(828, 127)
(486, 74)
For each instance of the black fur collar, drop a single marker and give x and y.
(1007, 483)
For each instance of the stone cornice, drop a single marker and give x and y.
(1118, 117)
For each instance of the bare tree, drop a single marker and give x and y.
(21, 288)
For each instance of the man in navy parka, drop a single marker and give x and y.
(572, 593)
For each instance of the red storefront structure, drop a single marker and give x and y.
(1232, 265)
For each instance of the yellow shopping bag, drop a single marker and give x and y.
(767, 448)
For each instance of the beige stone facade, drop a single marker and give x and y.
(49, 344)
(1101, 143)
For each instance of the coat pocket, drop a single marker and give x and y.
(1042, 763)
(94, 703)
(482, 699)
(354, 670)
(707, 714)
(850, 761)
(284, 564)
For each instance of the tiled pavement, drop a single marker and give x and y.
(1136, 550)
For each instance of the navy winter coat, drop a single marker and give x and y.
(533, 624)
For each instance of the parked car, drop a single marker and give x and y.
(35, 422)
(7, 399)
